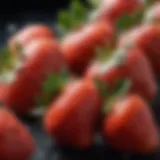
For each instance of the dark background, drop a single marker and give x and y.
(18, 13)
(17, 10)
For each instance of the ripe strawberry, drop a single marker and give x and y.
(72, 118)
(127, 63)
(147, 38)
(113, 9)
(43, 62)
(3, 90)
(129, 126)
(16, 142)
(79, 47)
(27, 34)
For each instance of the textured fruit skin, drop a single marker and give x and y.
(153, 13)
(27, 34)
(147, 38)
(136, 67)
(130, 126)
(42, 58)
(3, 91)
(72, 119)
(16, 143)
(113, 9)
(79, 47)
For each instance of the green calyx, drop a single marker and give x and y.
(102, 87)
(127, 21)
(77, 15)
(51, 87)
(122, 87)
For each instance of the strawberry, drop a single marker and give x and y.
(127, 63)
(72, 118)
(79, 47)
(147, 38)
(27, 34)
(16, 142)
(129, 126)
(113, 9)
(37, 77)
(3, 90)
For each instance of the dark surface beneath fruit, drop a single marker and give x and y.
(46, 148)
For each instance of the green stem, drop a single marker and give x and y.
(122, 88)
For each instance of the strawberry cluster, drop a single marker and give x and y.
(98, 76)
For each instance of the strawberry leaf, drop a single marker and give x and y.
(127, 21)
(102, 87)
(51, 87)
(122, 88)
(72, 18)
(108, 104)
(64, 21)
(78, 10)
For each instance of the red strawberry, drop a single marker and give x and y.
(153, 13)
(3, 90)
(72, 118)
(130, 126)
(114, 9)
(79, 47)
(27, 34)
(147, 38)
(16, 142)
(128, 63)
(43, 60)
